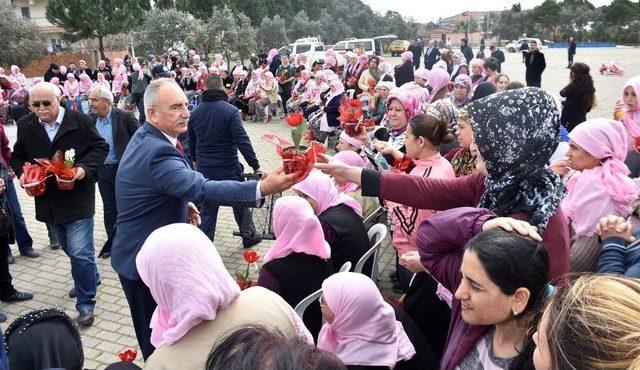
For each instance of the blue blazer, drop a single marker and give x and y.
(153, 185)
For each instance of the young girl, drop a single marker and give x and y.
(627, 110)
(425, 133)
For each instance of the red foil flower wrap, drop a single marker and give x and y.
(128, 355)
(637, 142)
(34, 179)
(402, 165)
(293, 160)
(62, 172)
(350, 116)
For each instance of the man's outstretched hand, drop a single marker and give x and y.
(277, 182)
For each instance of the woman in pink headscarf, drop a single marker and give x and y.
(340, 217)
(252, 93)
(311, 100)
(459, 65)
(478, 74)
(627, 110)
(119, 73)
(268, 98)
(404, 72)
(329, 121)
(402, 105)
(17, 75)
(85, 85)
(101, 80)
(601, 186)
(198, 302)
(17, 101)
(364, 331)
(72, 91)
(299, 260)
(439, 83)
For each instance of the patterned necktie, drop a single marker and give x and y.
(179, 146)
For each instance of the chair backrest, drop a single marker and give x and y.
(346, 267)
(376, 233)
(413, 278)
(305, 303)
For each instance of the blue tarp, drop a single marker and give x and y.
(564, 45)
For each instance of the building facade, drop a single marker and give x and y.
(36, 11)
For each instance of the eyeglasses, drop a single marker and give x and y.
(36, 104)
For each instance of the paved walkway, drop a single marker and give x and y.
(49, 276)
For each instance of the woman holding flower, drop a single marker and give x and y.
(268, 98)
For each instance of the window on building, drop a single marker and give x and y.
(26, 12)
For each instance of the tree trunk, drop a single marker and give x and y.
(101, 47)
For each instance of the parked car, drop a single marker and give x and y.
(398, 47)
(515, 46)
(371, 46)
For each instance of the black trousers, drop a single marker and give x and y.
(286, 95)
(570, 60)
(107, 186)
(6, 288)
(141, 305)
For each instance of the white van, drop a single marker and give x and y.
(371, 46)
(305, 45)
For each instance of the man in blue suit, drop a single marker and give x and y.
(155, 186)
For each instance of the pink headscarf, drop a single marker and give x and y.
(188, 287)
(407, 56)
(330, 62)
(272, 54)
(336, 87)
(218, 60)
(72, 88)
(297, 230)
(117, 62)
(479, 63)
(322, 189)
(409, 100)
(85, 83)
(363, 63)
(631, 119)
(423, 73)
(352, 159)
(330, 53)
(138, 68)
(365, 330)
(351, 140)
(63, 70)
(605, 189)
(438, 79)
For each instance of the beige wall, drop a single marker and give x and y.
(38, 10)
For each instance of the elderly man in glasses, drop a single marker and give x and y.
(51, 129)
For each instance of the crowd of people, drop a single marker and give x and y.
(513, 217)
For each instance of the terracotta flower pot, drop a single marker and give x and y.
(35, 189)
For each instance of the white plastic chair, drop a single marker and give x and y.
(305, 303)
(346, 267)
(376, 234)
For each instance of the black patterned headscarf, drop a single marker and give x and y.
(516, 132)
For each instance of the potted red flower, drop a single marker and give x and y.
(351, 117)
(242, 276)
(62, 168)
(296, 157)
(34, 179)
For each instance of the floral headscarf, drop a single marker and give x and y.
(516, 132)
(465, 81)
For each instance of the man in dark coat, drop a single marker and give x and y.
(535, 63)
(571, 51)
(216, 133)
(52, 130)
(155, 187)
(466, 50)
(116, 127)
(53, 71)
(499, 56)
(417, 52)
(432, 55)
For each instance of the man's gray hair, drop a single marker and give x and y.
(103, 92)
(55, 90)
(151, 93)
